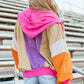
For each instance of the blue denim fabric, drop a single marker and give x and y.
(43, 79)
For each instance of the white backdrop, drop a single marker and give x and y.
(71, 5)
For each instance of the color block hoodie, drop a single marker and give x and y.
(39, 43)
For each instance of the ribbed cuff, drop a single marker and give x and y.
(65, 82)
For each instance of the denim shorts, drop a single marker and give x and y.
(43, 79)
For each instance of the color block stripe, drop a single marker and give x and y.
(14, 44)
(58, 47)
(15, 56)
(44, 50)
(63, 66)
(24, 63)
(33, 50)
(55, 33)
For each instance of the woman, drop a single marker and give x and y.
(39, 47)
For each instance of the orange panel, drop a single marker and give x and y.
(15, 56)
(63, 66)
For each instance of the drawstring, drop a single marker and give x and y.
(62, 25)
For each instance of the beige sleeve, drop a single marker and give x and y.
(61, 57)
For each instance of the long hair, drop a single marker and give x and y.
(44, 5)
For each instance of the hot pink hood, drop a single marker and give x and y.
(34, 21)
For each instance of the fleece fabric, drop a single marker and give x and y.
(39, 46)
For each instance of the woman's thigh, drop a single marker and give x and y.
(47, 79)
(32, 80)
